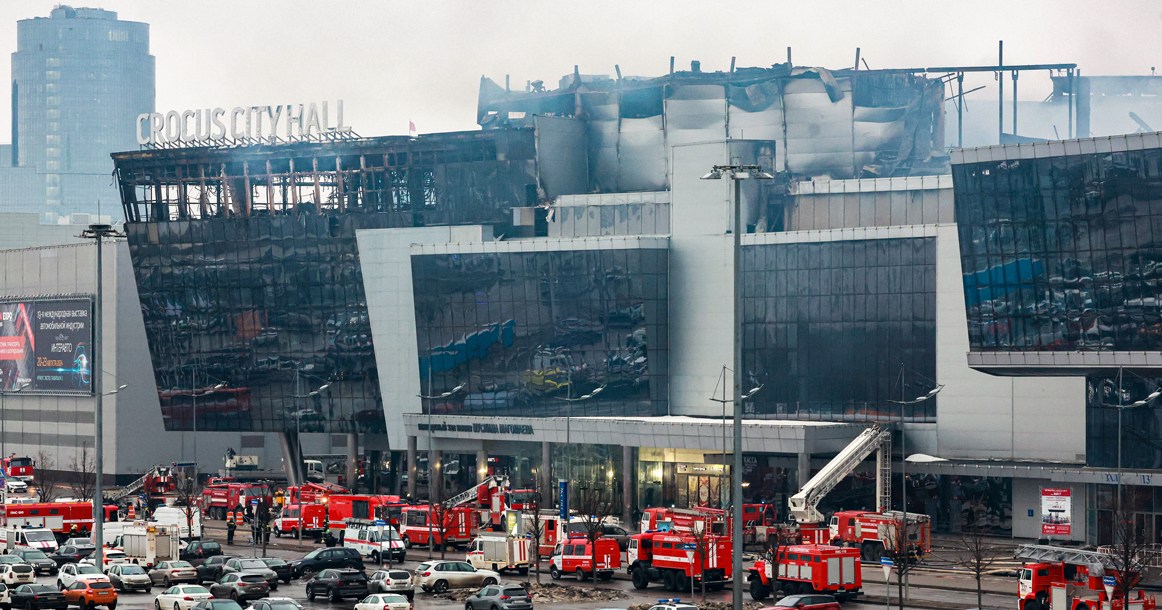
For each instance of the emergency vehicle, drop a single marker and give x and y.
(551, 532)
(685, 520)
(341, 507)
(877, 533)
(575, 556)
(1073, 578)
(374, 539)
(417, 526)
(60, 517)
(220, 496)
(310, 517)
(808, 568)
(19, 468)
(521, 499)
(501, 554)
(313, 492)
(26, 535)
(666, 557)
(149, 545)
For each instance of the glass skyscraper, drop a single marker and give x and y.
(80, 77)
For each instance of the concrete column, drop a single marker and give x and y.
(628, 470)
(292, 458)
(436, 477)
(481, 465)
(352, 458)
(412, 443)
(804, 470)
(546, 473)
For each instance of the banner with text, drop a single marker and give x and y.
(1056, 512)
(46, 346)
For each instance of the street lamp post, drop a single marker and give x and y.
(298, 439)
(737, 172)
(98, 232)
(3, 448)
(431, 458)
(568, 479)
(1122, 407)
(194, 395)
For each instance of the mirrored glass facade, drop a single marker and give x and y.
(828, 325)
(273, 306)
(1141, 428)
(1062, 253)
(528, 333)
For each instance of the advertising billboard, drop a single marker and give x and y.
(1056, 512)
(46, 346)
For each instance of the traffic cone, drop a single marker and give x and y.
(131, 513)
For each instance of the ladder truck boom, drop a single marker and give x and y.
(1096, 562)
(804, 506)
(492, 482)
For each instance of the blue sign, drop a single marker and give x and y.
(254, 502)
(690, 547)
(887, 561)
(563, 499)
(1109, 581)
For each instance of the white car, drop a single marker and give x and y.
(111, 556)
(181, 597)
(17, 574)
(5, 596)
(384, 601)
(15, 486)
(73, 572)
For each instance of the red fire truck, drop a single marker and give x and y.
(575, 556)
(808, 568)
(341, 507)
(662, 519)
(521, 499)
(19, 467)
(221, 496)
(310, 518)
(312, 493)
(875, 533)
(676, 558)
(59, 517)
(1078, 576)
(417, 525)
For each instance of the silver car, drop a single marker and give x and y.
(439, 576)
(251, 565)
(392, 581)
(129, 577)
(240, 587)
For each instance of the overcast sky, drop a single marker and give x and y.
(395, 61)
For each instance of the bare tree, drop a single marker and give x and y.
(47, 476)
(186, 496)
(593, 505)
(900, 548)
(1131, 553)
(700, 534)
(535, 525)
(84, 470)
(976, 553)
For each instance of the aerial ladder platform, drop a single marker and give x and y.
(1097, 562)
(804, 506)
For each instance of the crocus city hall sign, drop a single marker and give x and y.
(289, 122)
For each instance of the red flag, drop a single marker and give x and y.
(412, 128)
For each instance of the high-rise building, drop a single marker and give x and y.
(79, 78)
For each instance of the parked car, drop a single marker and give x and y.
(5, 596)
(17, 573)
(16, 486)
(200, 550)
(618, 533)
(384, 601)
(392, 581)
(806, 601)
(281, 567)
(211, 568)
(86, 594)
(337, 584)
(500, 597)
(439, 576)
(108, 558)
(10, 559)
(37, 559)
(70, 554)
(219, 604)
(79, 541)
(166, 573)
(240, 587)
(38, 597)
(129, 577)
(275, 603)
(322, 559)
(71, 573)
(180, 597)
(253, 565)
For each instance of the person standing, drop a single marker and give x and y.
(230, 527)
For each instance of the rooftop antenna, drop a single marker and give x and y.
(732, 58)
(671, 64)
(617, 68)
(856, 58)
(789, 64)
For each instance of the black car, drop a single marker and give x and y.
(323, 559)
(37, 559)
(200, 550)
(280, 567)
(217, 604)
(211, 568)
(337, 584)
(37, 597)
(70, 554)
(275, 603)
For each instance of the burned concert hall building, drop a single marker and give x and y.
(550, 296)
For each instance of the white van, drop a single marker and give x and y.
(176, 516)
(40, 538)
(501, 553)
(376, 540)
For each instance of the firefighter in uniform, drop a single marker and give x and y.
(74, 531)
(230, 527)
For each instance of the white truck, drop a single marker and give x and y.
(501, 553)
(40, 538)
(146, 547)
(376, 540)
(176, 516)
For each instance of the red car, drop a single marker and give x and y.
(808, 601)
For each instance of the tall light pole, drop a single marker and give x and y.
(737, 173)
(1122, 407)
(3, 449)
(98, 233)
(194, 395)
(749, 393)
(568, 417)
(298, 440)
(431, 458)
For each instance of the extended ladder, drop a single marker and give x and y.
(804, 506)
(1095, 561)
(467, 496)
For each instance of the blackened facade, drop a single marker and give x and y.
(828, 327)
(528, 331)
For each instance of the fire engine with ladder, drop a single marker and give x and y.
(462, 516)
(1059, 577)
